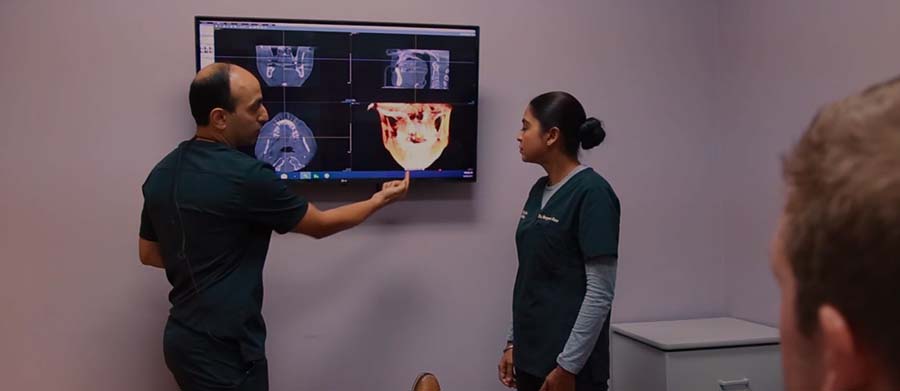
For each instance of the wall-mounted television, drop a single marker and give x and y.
(356, 100)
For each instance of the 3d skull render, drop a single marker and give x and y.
(415, 134)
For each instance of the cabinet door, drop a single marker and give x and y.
(703, 370)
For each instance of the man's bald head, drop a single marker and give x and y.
(212, 69)
(211, 89)
(226, 101)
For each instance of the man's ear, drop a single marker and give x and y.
(218, 118)
(552, 136)
(847, 366)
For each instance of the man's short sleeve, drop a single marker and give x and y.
(269, 202)
(598, 226)
(147, 232)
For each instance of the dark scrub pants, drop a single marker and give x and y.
(203, 362)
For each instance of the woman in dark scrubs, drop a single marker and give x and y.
(567, 243)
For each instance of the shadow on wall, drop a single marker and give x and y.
(155, 310)
(385, 316)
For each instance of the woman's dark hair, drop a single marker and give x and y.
(561, 110)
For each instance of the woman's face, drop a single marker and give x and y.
(532, 140)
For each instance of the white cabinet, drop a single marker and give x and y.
(695, 355)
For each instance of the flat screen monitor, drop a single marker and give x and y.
(354, 101)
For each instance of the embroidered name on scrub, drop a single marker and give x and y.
(547, 218)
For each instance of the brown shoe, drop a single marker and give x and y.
(426, 382)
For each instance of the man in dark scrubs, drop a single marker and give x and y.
(209, 212)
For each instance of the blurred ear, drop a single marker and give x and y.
(846, 365)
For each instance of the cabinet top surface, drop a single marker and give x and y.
(698, 333)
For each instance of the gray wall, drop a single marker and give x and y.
(94, 93)
(778, 62)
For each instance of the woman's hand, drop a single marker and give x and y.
(505, 369)
(559, 380)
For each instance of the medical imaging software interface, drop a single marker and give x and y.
(356, 101)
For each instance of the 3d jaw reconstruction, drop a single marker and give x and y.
(286, 143)
(414, 133)
(418, 69)
(284, 66)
